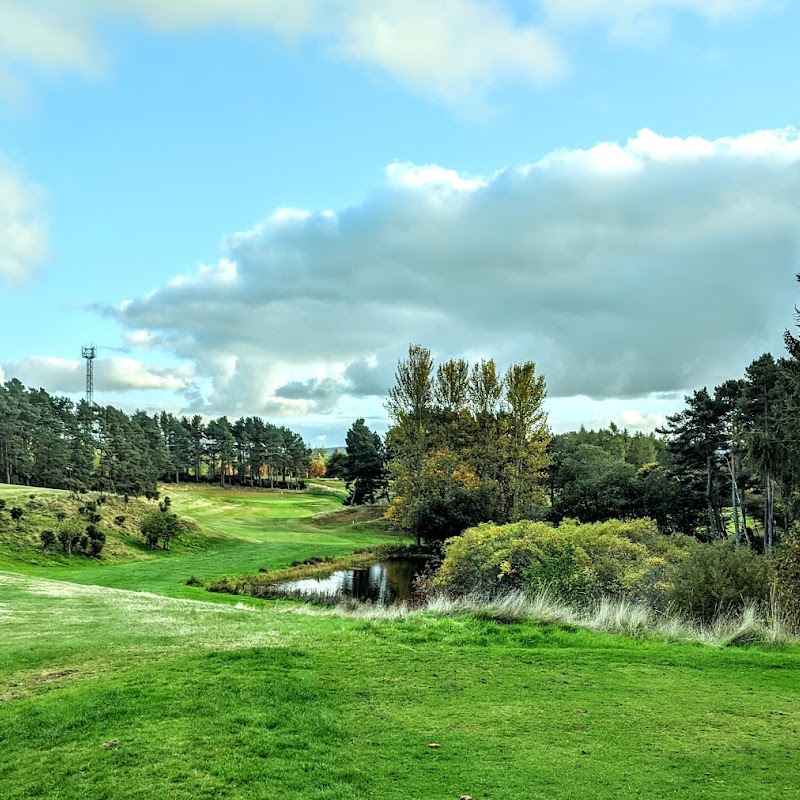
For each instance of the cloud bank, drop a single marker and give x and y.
(624, 270)
(110, 375)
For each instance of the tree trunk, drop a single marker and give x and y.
(734, 500)
(768, 513)
(712, 526)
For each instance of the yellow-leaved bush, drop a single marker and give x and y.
(621, 558)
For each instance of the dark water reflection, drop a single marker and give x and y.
(382, 582)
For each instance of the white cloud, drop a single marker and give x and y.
(452, 48)
(637, 420)
(653, 266)
(139, 339)
(110, 374)
(23, 232)
(628, 19)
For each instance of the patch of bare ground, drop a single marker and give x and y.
(351, 515)
(54, 676)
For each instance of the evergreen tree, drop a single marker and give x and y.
(365, 465)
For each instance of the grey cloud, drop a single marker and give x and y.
(323, 394)
(649, 267)
(368, 380)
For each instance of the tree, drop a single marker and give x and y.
(592, 485)
(48, 539)
(95, 540)
(365, 465)
(69, 534)
(465, 446)
(337, 465)
(762, 404)
(527, 440)
(153, 527)
(696, 438)
(159, 526)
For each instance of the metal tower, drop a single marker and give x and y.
(89, 353)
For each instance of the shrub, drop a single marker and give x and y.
(48, 539)
(97, 540)
(157, 526)
(436, 518)
(498, 558)
(787, 573)
(718, 578)
(17, 514)
(120, 519)
(69, 535)
(88, 508)
(618, 558)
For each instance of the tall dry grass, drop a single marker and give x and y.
(752, 625)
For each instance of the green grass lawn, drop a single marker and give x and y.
(110, 693)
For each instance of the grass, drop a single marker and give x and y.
(109, 693)
(240, 531)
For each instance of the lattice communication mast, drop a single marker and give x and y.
(89, 353)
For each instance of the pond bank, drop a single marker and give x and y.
(383, 575)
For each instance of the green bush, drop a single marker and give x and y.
(523, 555)
(719, 578)
(618, 558)
(69, 535)
(48, 539)
(787, 573)
(158, 526)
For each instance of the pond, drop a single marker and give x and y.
(383, 582)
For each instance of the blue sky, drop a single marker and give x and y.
(254, 207)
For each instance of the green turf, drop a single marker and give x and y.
(117, 694)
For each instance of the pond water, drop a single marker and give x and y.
(382, 582)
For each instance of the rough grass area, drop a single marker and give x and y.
(115, 694)
(124, 541)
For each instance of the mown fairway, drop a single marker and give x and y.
(109, 693)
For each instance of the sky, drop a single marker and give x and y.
(253, 207)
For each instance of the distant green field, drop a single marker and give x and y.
(242, 530)
(108, 693)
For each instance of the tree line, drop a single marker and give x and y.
(469, 445)
(50, 441)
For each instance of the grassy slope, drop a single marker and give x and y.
(242, 531)
(115, 694)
